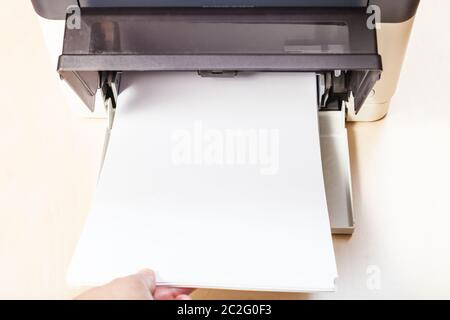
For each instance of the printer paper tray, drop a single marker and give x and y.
(336, 170)
(231, 226)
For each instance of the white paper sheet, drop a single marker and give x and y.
(182, 192)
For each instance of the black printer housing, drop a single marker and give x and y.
(222, 38)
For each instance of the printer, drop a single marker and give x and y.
(355, 47)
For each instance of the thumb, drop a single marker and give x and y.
(148, 277)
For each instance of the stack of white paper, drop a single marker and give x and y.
(212, 182)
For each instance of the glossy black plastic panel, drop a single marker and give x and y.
(221, 32)
(393, 11)
(223, 3)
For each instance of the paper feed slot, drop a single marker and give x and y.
(227, 40)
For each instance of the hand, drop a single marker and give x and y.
(140, 286)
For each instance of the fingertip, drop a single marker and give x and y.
(185, 291)
(183, 297)
(164, 293)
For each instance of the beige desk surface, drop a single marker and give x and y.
(400, 165)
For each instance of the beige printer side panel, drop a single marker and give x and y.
(393, 41)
